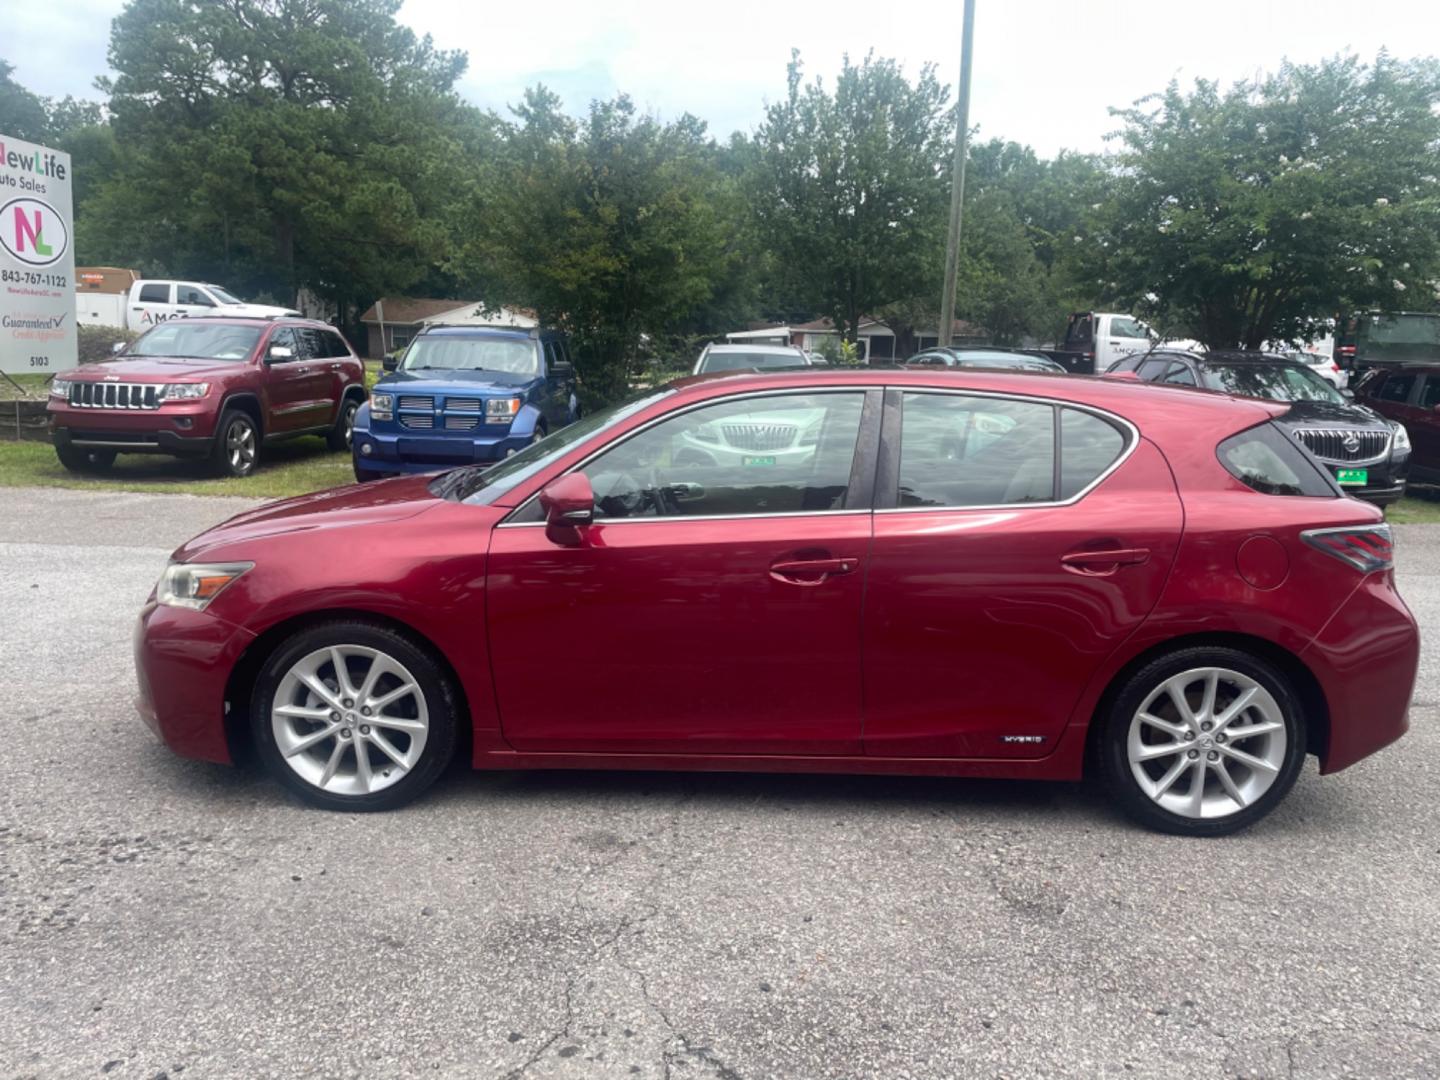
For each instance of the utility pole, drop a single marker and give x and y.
(957, 182)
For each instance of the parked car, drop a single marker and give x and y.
(1095, 340)
(715, 358)
(465, 395)
(990, 357)
(152, 301)
(1410, 396)
(1321, 364)
(216, 388)
(1368, 455)
(985, 574)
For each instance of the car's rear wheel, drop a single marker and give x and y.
(237, 444)
(78, 459)
(342, 434)
(354, 716)
(1203, 741)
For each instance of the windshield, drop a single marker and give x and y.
(449, 352)
(484, 486)
(198, 340)
(225, 296)
(1276, 382)
(737, 361)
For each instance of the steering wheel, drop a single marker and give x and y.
(660, 495)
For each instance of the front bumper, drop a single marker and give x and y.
(1366, 660)
(385, 453)
(180, 427)
(183, 659)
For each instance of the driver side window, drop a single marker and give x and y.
(783, 454)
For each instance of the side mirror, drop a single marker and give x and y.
(279, 354)
(569, 505)
(117, 348)
(389, 363)
(1348, 394)
(563, 369)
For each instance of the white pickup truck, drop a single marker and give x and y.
(1096, 339)
(151, 300)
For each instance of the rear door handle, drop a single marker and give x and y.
(810, 571)
(1103, 561)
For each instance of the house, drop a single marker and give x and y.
(876, 340)
(391, 322)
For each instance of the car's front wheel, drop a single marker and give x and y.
(354, 716)
(237, 444)
(1203, 741)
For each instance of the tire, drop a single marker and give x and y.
(236, 451)
(1233, 794)
(79, 460)
(339, 437)
(365, 476)
(319, 745)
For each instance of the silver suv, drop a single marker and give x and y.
(743, 357)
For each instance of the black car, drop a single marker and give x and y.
(1368, 455)
(987, 357)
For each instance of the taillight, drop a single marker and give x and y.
(1346, 350)
(1365, 547)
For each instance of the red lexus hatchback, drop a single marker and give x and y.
(972, 574)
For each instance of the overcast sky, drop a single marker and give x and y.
(1045, 70)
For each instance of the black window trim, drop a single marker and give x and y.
(887, 496)
(861, 464)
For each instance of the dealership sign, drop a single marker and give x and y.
(37, 260)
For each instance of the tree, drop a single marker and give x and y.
(23, 114)
(281, 144)
(1254, 214)
(614, 227)
(850, 188)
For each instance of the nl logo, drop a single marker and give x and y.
(32, 232)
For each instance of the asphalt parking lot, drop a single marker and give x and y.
(160, 917)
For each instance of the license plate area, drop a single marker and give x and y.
(1352, 477)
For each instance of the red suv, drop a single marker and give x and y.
(959, 573)
(216, 388)
(1410, 395)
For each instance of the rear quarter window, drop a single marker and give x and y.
(1267, 460)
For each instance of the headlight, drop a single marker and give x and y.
(182, 391)
(382, 406)
(194, 585)
(59, 387)
(502, 408)
(1402, 437)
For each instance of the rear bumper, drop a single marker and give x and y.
(183, 659)
(1366, 659)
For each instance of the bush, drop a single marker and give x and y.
(97, 342)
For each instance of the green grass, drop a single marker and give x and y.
(1417, 508)
(290, 468)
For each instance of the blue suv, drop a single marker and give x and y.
(464, 395)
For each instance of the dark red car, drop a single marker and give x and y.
(217, 388)
(975, 574)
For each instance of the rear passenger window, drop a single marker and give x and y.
(154, 294)
(1088, 446)
(1266, 459)
(1179, 375)
(957, 450)
(1150, 370)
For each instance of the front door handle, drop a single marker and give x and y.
(1103, 561)
(810, 571)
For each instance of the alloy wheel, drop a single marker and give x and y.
(350, 411)
(1207, 742)
(240, 446)
(349, 719)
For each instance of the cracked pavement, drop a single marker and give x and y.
(160, 917)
